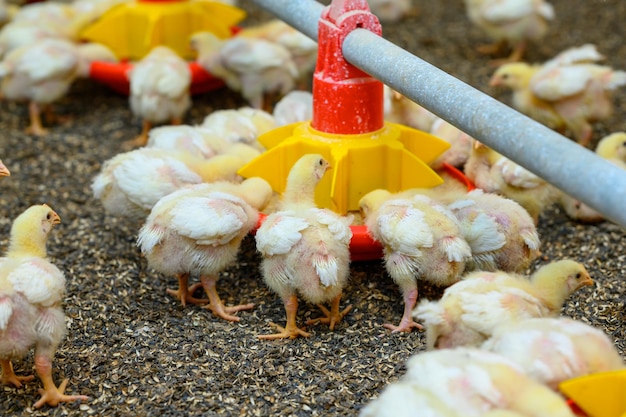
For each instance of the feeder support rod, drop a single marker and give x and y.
(562, 162)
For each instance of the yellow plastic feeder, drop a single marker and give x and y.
(598, 395)
(348, 127)
(132, 29)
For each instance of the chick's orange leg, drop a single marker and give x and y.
(9, 377)
(50, 394)
(185, 293)
(407, 323)
(215, 302)
(332, 317)
(140, 140)
(291, 330)
(35, 128)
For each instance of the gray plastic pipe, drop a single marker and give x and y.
(562, 162)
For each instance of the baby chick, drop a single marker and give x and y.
(296, 106)
(501, 234)
(510, 22)
(198, 230)
(404, 399)
(191, 139)
(130, 184)
(243, 125)
(42, 72)
(402, 110)
(497, 174)
(473, 382)
(460, 144)
(31, 292)
(252, 67)
(470, 310)
(552, 350)
(421, 239)
(159, 90)
(568, 92)
(391, 11)
(305, 249)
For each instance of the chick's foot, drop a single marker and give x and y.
(185, 295)
(35, 128)
(332, 316)
(215, 302)
(9, 377)
(291, 330)
(51, 394)
(406, 324)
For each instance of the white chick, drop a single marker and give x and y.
(421, 239)
(390, 11)
(17, 34)
(31, 292)
(552, 350)
(159, 90)
(243, 125)
(42, 72)
(130, 184)
(501, 234)
(252, 67)
(305, 249)
(495, 173)
(296, 106)
(303, 50)
(471, 309)
(400, 109)
(510, 22)
(460, 144)
(404, 399)
(568, 92)
(191, 139)
(474, 382)
(198, 231)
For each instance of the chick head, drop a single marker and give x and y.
(372, 201)
(257, 192)
(201, 40)
(310, 168)
(29, 232)
(613, 146)
(4, 171)
(561, 278)
(514, 75)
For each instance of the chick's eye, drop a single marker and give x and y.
(320, 162)
(578, 275)
(48, 216)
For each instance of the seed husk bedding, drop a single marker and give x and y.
(134, 350)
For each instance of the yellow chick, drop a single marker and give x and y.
(460, 144)
(402, 110)
(494, 173)
(250, 66)
(471, 309)
(510, 23)
(473, 382)
(552, 350)
(191, 139)
(31, 292)
(404, 399)
(421, 239)
(568, 92)
(130, 184)
(198, 230)
(159, 90)
(42, 72)
(243, 125)
(305, 249)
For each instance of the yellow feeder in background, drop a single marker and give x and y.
(598, 395)
(348, 127)
(132, 29)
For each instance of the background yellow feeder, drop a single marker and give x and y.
(132, 29)
(599, 395)
(348, 127)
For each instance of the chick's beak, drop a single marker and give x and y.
(586, 281)
(4, 171)
(495, 81)
(55, 218)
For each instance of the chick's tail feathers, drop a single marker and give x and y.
(433, 316)
(457, 249)
(617, 79)
(326, 268)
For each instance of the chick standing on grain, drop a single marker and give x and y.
(494, 173)
(421, 239)
(305, 249)
(471, 309)
(198, 230)
(130, 184)
(252, 67)
(159, 90)
(568, 92)
(42, 72)
(31, 292)
(510, 22)
(552, 350)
